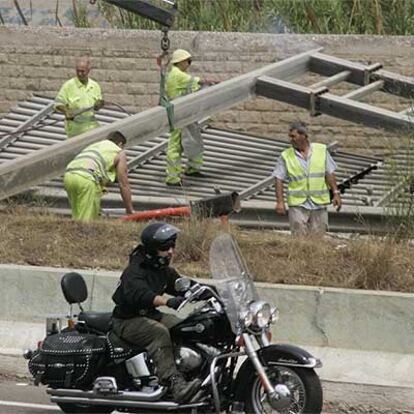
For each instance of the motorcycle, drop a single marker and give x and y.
(224, 341)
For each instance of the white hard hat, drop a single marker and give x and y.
(180, 55)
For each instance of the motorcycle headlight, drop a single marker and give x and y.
(274, 314)
(247, 318)
(261, 314)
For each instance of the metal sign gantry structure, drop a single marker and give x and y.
(48, 162)
(233, 161)
(51, 162)
(319, 100)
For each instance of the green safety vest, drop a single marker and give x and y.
(307, 184)
(97, 162)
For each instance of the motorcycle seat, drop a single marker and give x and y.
(99, 321)
(123, 346)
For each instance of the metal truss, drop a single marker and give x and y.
(47, 152)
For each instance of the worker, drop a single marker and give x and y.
(138, 296)
(91, 170)
(78, 99)
(187, 139)
(310, 172)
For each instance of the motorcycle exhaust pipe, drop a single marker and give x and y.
(160, 405)
(123, 395)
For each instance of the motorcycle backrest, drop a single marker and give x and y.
(74, 288)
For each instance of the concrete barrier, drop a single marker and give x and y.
(343, 318)
(362, 336)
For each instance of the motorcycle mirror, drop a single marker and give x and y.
(182, 284)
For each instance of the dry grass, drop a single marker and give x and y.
(361, 264)
(48, 240)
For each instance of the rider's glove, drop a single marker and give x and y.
(175, 302)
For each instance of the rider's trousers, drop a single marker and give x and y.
(155, 337)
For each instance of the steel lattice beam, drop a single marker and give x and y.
(329, 104)
(362, 75)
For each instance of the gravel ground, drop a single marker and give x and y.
(364, 399)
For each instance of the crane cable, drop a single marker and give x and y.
(163, 61)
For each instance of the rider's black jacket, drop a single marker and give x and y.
(139, 284)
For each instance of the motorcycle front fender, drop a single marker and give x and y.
(275, 354)
(287, 355)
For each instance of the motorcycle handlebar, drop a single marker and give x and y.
(194, 292)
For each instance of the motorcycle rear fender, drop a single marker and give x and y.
(277, 354)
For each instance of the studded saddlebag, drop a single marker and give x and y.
(68, 360)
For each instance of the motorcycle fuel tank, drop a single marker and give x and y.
(207, 327)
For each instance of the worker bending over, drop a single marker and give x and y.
(90, 171)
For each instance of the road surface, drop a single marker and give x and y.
(17, 397)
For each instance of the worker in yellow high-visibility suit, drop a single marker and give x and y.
(78, 99)
(91, 170)
(187, 139)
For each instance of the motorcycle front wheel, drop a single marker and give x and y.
(69, 408)
(304, 386)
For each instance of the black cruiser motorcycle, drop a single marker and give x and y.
(224, 341)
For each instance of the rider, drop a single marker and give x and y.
(140, 292)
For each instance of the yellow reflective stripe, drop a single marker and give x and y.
(304, 177)
(306, 193)
(299, 178)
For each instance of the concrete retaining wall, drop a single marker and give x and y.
(40, 59)
(361, 336)
(338, 318)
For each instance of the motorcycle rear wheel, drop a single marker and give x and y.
(304, 385)
(69, 408)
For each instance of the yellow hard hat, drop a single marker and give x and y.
(180, 55)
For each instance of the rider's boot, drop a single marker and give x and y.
(181, 389)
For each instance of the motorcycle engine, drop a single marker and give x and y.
(187, 359)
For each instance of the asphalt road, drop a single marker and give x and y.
(17, 397)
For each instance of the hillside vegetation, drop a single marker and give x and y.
(377, 17)
(43, 239)
(381, 17)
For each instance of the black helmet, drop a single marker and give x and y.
(159, 236)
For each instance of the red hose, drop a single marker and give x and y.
(163, 212)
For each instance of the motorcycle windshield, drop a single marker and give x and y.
(233, 280)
